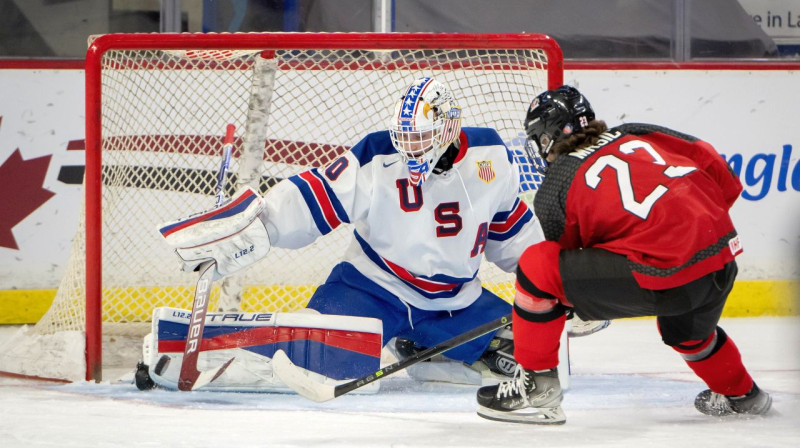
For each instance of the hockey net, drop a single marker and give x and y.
(157, 107)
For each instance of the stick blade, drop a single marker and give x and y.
(293, 377)
(209, 375)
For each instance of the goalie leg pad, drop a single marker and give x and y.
(233, 235)
(330, 348)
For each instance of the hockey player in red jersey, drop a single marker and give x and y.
(636, 224)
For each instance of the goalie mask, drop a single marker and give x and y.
(552, 116)
(425, 122)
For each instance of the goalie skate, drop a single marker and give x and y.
(532, 397)
(446, 370)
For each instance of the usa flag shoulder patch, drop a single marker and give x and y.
(485, 171)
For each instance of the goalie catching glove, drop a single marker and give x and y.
(233, 235)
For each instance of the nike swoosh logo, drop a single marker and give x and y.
(387, 165)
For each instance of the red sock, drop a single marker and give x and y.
(723, 370)
(536, 343)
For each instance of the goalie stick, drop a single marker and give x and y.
(190, 378)
(317, 391)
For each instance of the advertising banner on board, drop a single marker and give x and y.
(747, 115)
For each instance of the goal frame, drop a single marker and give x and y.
(246, 41)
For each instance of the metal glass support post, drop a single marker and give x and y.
(170, 16)
(681, 30)
(383, 16)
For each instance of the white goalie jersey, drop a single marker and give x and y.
(424, 244)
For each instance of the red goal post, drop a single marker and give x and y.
(156, 108)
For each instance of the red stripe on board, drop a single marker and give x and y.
(760, 65)
(42, 64)
(281, 151)
(360, 342)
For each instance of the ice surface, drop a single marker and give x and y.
(626, 390)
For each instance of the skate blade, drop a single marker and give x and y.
(531, 416)
(585, 328)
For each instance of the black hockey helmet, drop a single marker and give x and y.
(553, 115)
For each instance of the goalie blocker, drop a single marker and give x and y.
(232, 234)
(330, 349)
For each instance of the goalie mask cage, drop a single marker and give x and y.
(156, 110)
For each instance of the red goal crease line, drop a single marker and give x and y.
(22, 376)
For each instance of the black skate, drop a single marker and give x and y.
(755, 402)
(531, 397)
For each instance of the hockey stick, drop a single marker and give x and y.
(190, 378)
(294, 377)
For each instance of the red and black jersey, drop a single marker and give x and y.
(657, 196)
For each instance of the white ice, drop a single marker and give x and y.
(627, 389)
